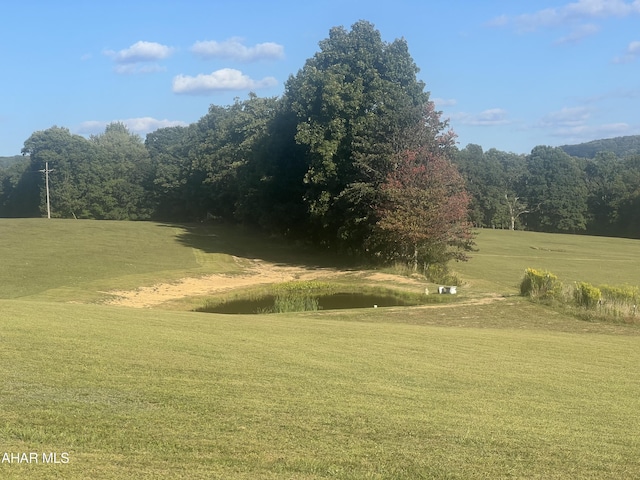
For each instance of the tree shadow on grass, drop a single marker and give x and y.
(253, 244)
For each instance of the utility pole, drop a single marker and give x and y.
(46, 172)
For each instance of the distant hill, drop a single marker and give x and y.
(6, 162)
(621, 146)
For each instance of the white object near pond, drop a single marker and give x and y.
(448, 290)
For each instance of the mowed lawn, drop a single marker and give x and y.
(502, 390)
(66, 260)
(504, 255)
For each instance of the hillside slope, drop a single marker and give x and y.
(620, 146)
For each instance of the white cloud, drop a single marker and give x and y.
(574, 125)
(233, 49)
(579, 33)
(577, 17)
(444, 102)
(490, 117)
(141, 52)
(91, 127)
(580, 11)
(633, 52)
(599, 9)
(149, 124)
(133, 68)
(582, 133)
(617, 94)
(140, 125)
(500, 21)
(566, 117)
(220, 80)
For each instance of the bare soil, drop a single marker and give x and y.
(259, 273)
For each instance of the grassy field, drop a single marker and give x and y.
(504, 255)
(65, 260)
(505, 389)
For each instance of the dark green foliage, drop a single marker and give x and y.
(72, 178)
(551, 191)
(105, 177)
(357, 102)
(556, 188)
(494, 180)
(7, 162)
(124, 172)
(614, 195)
(177, 182)
(19, 188)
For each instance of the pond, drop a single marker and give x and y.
(333, 301)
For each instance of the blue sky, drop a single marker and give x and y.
(509, 74)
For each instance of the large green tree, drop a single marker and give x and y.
(19, 189)
(271, 188)
(70, 159)
(556, 190)
(103, 177)
(123, 170)
(628, 211)
(176, 182)
(358, 103)
(494, 180)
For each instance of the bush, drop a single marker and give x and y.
(623, 293)
(540, 284)
(620, 301)
(439, 273)
(586, 295)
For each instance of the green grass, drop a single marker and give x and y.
(507, 389)
(314, 396)
(504, 255)
(65, 260)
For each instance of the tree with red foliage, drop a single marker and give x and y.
(423, 215)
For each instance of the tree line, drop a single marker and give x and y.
(550, 191)
(353, 141)
(353, 157)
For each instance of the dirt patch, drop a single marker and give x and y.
(259, 273)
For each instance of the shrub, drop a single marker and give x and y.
(439, 273)
(620, 301)
(623, 293)
(586, 295)
(540, 284)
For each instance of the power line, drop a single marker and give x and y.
(46, 172)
